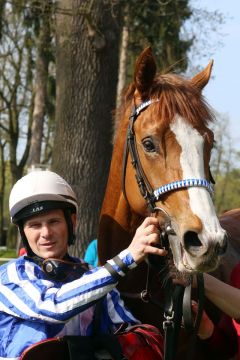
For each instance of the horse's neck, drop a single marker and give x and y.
(117, 225)
(117, 221)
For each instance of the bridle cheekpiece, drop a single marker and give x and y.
(152, 196)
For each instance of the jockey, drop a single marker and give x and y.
(47, 293)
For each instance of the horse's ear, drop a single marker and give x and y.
(145, 70)
(202, 78)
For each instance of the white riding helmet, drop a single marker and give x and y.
(38, 192)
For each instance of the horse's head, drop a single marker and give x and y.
(170, 145)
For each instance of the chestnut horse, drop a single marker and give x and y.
(160, 165)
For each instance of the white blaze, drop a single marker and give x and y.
(192, 164)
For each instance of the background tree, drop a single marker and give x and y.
(160, 24)
(2, 189)
(15, 94)
(200, 27)
(224, 166)
(41, 18)
(17, 56)
(87, 66)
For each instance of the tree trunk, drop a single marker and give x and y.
(87, 67)
(122, 64)
(42, 62)
(2, 192)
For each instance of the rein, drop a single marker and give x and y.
(176, 309)
(178, 299)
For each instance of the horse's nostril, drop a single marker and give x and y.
(222, 248)
(192, 244)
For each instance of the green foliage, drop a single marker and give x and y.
(225, 162)
(227, 191)
(158, 24)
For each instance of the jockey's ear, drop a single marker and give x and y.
(201, 79)
(74, 220)
(145, 70)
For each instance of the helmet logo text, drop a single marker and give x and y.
(37, 209)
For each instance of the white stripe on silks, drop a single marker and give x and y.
(112, 312)
(12, 273)
(4, 358)
(28, 288)
(49, 305)
(100, 274)
(125, 253)
(126, 311)
(73, 300)
(29, 268)
(93, 277)
(21, 306)
(112, 263)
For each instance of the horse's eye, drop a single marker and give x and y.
(148, 145)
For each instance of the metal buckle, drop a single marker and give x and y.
(169, 320)
(145, 296)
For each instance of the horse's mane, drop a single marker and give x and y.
(176, 95)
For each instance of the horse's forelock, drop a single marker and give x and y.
(176, 95)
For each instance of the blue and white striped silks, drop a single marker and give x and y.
(33, 308)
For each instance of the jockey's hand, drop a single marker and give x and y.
(206, 326)
(145, 240)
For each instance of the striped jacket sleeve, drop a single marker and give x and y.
(117, 312)
(26, 293)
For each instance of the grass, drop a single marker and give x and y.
(8, 253)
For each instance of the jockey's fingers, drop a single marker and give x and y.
(152, 239)
(149, 221)
(151, 229)
(155, 251)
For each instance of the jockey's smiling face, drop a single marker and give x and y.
(47, 234)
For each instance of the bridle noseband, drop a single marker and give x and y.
(151, 196)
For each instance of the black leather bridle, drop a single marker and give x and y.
(178, 298)
(150, 195)
(131, 147)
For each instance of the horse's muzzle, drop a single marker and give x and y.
(194, 247)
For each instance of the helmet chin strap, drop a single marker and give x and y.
(24, 240)
(71, 233)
